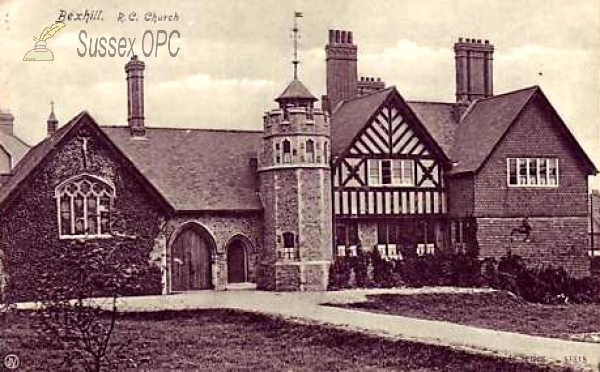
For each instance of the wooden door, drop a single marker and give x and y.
(236, 263)
(191, 261)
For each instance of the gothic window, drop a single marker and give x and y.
(310, 151)
(84, 203)
(287, 151)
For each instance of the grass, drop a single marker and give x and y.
(223, 340)
(494, 310)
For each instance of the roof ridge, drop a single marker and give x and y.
(194, 129)
(390, 88)
(431, 102)
(532, 87)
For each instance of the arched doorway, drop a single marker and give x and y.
(237, 262)
(191, 253)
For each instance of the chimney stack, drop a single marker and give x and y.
(135, 96)
(6, 122)
(474, 74)
(52, 122)
(341, 57)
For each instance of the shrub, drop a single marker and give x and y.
(547, 285)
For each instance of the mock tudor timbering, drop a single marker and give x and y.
(218, 209)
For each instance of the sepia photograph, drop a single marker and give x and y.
(302, 185)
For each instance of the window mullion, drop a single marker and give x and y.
(98, 215)
(85, 215)
(72, 214)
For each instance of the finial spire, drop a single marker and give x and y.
(296, 37)
(52, 122)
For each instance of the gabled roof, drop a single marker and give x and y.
(440, 120)
(196, 169)
(351, 116)
(42, 150)
(486, 122)
(295, 90)
(13, 146)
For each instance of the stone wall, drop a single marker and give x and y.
(34, 252)
(223, 228)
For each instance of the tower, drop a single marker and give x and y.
(295, 187)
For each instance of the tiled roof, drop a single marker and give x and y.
(439, 119)
(485, 123)
(295, 90)
(196, 169)
(13, 146)
(350, 116)
(482, 127)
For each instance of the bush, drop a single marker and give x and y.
(372, 270)
(547, 285)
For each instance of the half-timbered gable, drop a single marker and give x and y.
(392, 166)
(388, 176)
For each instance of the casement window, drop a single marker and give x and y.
(532, 172)
(388, 236)
(325, 154)
(346, 238)
(289, 251)
(391, 172)
(84, 204)
(287, 151)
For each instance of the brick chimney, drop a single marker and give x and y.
(135, 96)
(474, 75)
(6, 122)
(341, 57)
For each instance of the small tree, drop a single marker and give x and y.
(70, 317)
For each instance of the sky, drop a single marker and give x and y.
(235, 57)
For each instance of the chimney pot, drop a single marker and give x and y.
(460, 39)
(487, 41)
(331, 36)
(349, 37)
(337, 36)
(344, 38)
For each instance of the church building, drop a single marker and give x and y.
(272, 209)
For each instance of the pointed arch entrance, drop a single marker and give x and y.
(237, 260)
(191, 259)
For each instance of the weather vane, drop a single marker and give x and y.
(296, 36)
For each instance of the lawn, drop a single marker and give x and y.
(220, 340)
(494, 310)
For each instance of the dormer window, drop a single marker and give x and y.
(84, 204)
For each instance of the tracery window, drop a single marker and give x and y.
(84, 204)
